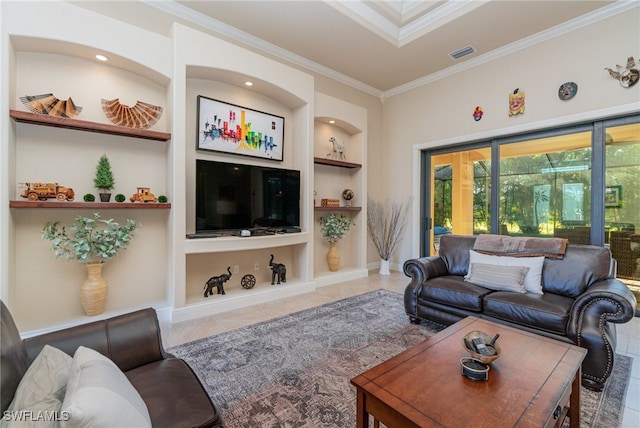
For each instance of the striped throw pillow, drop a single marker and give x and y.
(495, 277)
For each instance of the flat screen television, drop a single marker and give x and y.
(232, 197)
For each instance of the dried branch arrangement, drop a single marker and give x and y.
(385, 224)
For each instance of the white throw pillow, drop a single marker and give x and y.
(41, 390)
(533, 280)
(100, 395)
(502, 278)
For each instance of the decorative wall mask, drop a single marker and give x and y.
(627, 77)
(141, 115)
(50, 105)
(516, 102)
(477, 113)
(567, 91)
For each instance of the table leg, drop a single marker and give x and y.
(574, 401)
(362, 417)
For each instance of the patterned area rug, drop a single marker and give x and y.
(294, 371)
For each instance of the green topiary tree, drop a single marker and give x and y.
(104, 177)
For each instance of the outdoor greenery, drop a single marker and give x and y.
(104, 177)
(89, 240)
(532, 194)
(334, 227)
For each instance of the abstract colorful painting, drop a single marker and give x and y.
(229, 128)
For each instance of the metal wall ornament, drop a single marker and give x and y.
(50, 105)
(516, 102)
(627, 77)
(141, 116)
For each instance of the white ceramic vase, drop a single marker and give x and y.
(384, 267)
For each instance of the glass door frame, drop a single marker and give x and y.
(598, 170)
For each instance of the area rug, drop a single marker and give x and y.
(294, 371)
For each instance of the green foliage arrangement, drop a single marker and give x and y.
(88, 197)
(334, 227)
(89, 240)
(162, 199)
(104, 177)
(120, 197)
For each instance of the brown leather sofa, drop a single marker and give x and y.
(171, 391)
(581, 302)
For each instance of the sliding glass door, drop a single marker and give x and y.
(622, 199)
(580, 182)
(545, 187)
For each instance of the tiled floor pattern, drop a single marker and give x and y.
(628, 334)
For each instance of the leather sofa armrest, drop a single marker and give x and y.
(130, 340)
(592, 326)
(420, 270)
(606, 300)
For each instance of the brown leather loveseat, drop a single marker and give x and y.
(169, 388)
(580, 303)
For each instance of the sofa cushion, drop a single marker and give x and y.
(533, 279)
(99, 394)
(548, 312)
(495, 277)
(452, 290)
(173, 394)
(582, 266)
(42, 388)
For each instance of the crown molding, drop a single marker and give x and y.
(218, 27)
(551, 33)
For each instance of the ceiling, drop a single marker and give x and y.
(376, 46)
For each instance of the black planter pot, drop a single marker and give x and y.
(105, 197)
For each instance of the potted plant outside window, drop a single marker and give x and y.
(90, 241)
(103, 180)
(333, 229)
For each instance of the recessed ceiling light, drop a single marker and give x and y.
(101, 58)
(332, 121)
(248, 83)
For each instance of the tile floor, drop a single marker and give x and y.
(172, 335)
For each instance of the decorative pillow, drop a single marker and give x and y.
(503, 278)
(533, 280)
(41, 390)
(100, 395)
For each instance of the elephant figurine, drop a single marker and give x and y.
(278, 269)
(218, 282)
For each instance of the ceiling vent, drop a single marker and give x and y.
(462, 52)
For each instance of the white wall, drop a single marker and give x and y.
(440, 112)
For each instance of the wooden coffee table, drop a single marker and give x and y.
(534, 383)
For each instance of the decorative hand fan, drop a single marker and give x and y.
(141, 115)
(50, 105)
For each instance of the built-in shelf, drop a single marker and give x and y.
(82, 125)
(337, 208)
(332, 162)
(90, 205)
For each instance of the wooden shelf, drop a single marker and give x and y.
(82, 125)
(331, 162)
(337, 208)
(90, 205)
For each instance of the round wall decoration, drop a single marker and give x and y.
(567, 91)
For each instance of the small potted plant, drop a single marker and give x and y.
(333, 229)
(385, 225)
(91, 241)
(103, 180)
